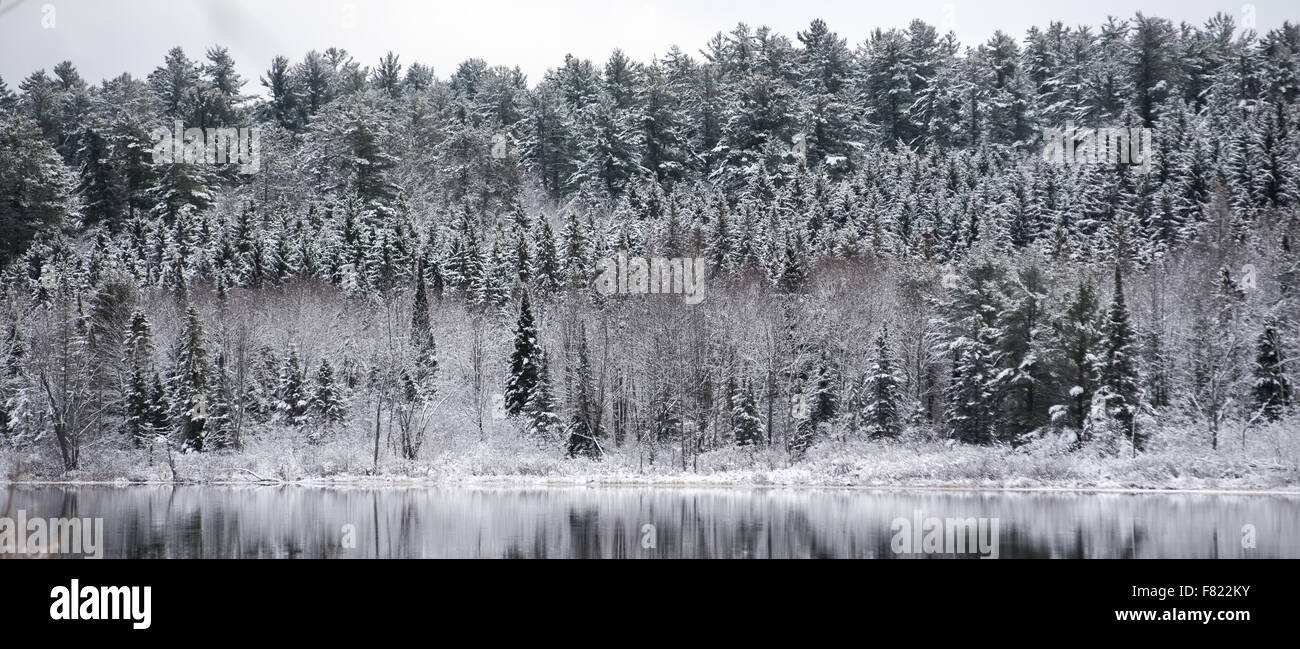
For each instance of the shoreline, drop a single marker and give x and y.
(499, 482)
(1171, 466)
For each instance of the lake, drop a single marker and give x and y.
(658, 522)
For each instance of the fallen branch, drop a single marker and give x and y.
(261, 479)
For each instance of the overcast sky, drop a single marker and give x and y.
(107, 37)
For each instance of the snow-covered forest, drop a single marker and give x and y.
(901, 287)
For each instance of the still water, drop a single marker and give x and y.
(605, 522)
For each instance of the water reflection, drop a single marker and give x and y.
(579, 522)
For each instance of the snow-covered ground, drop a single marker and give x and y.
(1175, 459)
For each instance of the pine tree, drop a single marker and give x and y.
(546, 263)
(971, 312)
(348, 151)
(385, 261)
(292, 391)
(180, 186)
(139, 396)
(665, 126)
(584, 431)
(885, 85)
(189, 382)
(1117, 373)
(171, 83)
(720, 253)
(284, 107)
(326, 397)
(881, 412)
(500, 276)
(386, 77)
(1077, 340)
(610, 136)
(805, 430)
(422, 369)
(265, 383)
(824, 400)
(544, 423)
(1272, 389)
(824, 67)
(160, 419)
(420, 326)
(522, 380)
(522, 258)
(100, 187)
(747, 428)
(7, 97)
(795, 269)
(1025, 381)
(549, 140)
(579, 253)
(222, 415)
(34, 186)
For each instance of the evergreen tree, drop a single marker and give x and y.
(222, 415)
(190, 382)
(500, 276)
(665, 127)
(805, 430)
(609, 132)
(101, 189)
(327, 397)
(881, 412)
(8, 100)
(579, 253)
(34, 186)
(293, 391)
(348, 153)
(1271, 391)
(139, 395)
(544, 423)
(284, 107)
(824, 70)
(546, 263)
(795, 269)
(387, 76)
(549, 139)
(171, 85)
(721, 240)
(824, 401)
(1077, 340)
(265, 384)
(423, 366)
(584, 429)
(885, 85)
(160, 419)
(971, 311)
(420, 326)
(139, 409)
(746, 427)
(1025, 380)
(522, 380)
(1117, 373)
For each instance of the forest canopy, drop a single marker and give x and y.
(888, 252)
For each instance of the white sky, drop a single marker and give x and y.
(107, 37)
